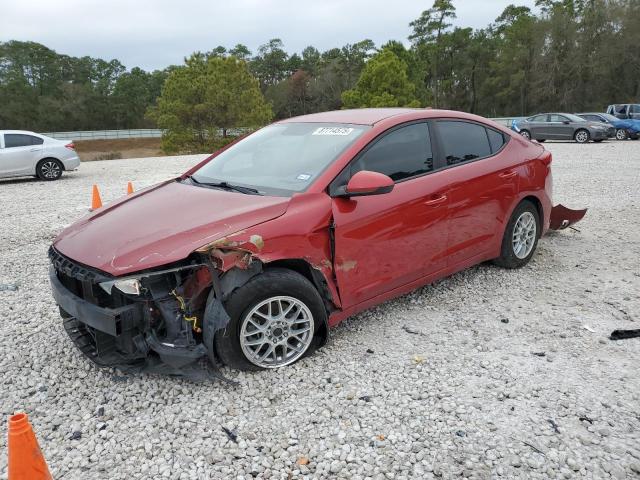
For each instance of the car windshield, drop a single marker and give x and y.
(609, 117)
(280, 159)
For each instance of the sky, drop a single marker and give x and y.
(153, 34)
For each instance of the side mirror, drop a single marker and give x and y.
(566, 122)
(365, 182)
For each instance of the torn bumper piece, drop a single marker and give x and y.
(563, 217)
(151, 334)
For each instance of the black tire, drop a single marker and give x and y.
(580, 137)
(49, 169)
(270, 283)
(508, 257)
(526, 134)
(621, 134)
(542, 140)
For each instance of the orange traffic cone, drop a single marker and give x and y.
(25, 458)
(96, 201)
(129, 188)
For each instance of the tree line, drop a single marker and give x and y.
(568, 55)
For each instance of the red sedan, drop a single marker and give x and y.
(251, 256)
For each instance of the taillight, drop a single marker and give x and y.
(546, 157)
(70, 146)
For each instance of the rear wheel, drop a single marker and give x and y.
(49, 169)
(526, 134)
(581, 136)
(621, 134)
(274, 317)
(520, 237)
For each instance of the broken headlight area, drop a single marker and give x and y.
(159, 321)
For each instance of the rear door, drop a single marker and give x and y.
(20, 154)
(383, 242)
(634, 111)
(484, 185)
(538, 124)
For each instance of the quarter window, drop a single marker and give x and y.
(496, 140)
(12, 140)
(463, 141)
(403, 153)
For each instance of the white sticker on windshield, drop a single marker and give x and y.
(333, 131)
(303, 176)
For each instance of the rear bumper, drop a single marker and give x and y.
(71, 163)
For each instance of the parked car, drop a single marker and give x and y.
(624, 128)
(250, 256)
(625, 110)
(26, 153)
(563, 126)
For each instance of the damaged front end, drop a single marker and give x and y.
(160, 321)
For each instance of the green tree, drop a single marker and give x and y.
(207, 96)
(383, 83)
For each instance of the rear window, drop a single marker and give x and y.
(12, 140)
(463, 141)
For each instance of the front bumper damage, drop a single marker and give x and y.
(168, 328)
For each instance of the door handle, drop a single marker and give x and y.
(436, 201)
(34, 150)
(508, 174)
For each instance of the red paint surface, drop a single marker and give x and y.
(385, 245)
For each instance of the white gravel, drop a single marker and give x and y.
(464, 396)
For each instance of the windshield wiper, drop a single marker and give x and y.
(228, 186)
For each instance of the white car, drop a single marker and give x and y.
(27, 153)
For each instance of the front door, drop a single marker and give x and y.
(383, 242)
(560, 127)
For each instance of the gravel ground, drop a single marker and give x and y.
(489, 373)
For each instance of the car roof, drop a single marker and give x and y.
(24, 132)
(372, 116)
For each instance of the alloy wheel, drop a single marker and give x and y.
(582, 137)
(51, 170)
(621, 134)
(526, 134)
(276, 332)
(524, 235)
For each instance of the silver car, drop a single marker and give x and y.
(563, 126)
(27, 153)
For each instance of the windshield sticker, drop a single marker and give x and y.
(333, 131)
(303, 176)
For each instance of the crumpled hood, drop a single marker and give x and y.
(162, 225)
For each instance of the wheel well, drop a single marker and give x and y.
(536, 201)
(49, 158)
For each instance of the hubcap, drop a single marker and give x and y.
(50, 170)
(526, 135)
(276, 332)
(582, 137)
(621, 134)
(524, 235)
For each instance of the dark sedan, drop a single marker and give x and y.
(563, 126)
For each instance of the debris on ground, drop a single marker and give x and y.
(8, 287)
(538, 354)
(554, 425)
(232, 435)
(588, 328)
(369, 350)
(624, 334)
(411, 331)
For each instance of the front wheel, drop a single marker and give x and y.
(621, 134)
(49, 169)
(520, 237)
(273, 319)
(581, 136)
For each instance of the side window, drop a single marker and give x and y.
(558, 118)
(12, 140)
(539, 118)
(36, 141)
(496, 140)
(463, 141)
(634, 109)
(403, 153)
